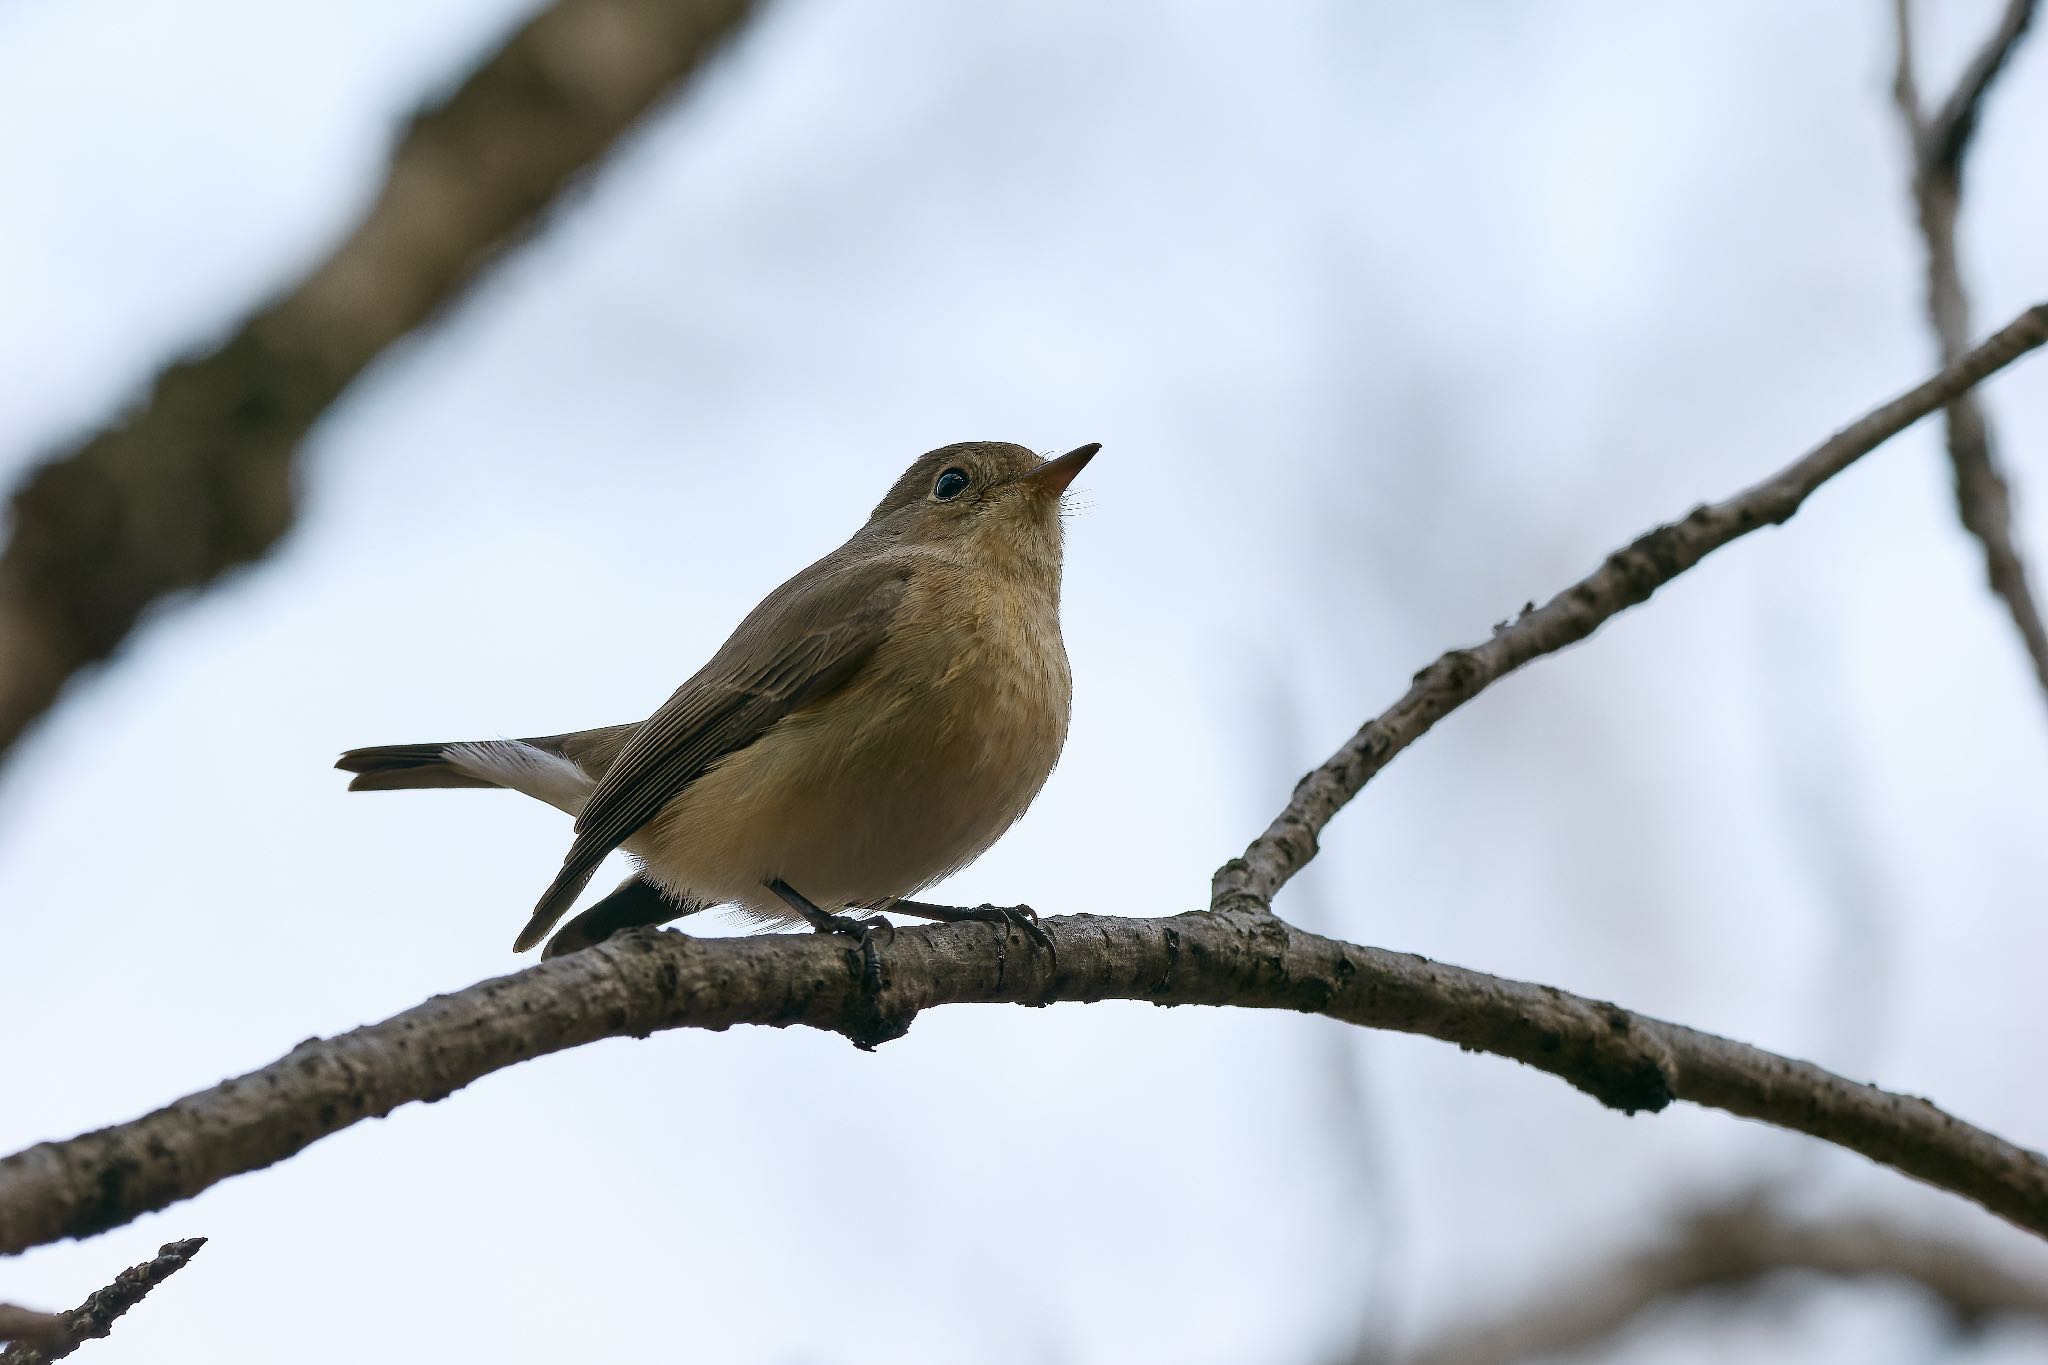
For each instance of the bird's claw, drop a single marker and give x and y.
(1019, 917)
(853, 926)
(862, 931)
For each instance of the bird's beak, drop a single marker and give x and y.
(1052, 477)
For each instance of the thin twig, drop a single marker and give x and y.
(198, 480)
(1743, 1245)
(95, 1317)
(1238, 953)
(1938, 148)
(1625, 579)
(1945, 137)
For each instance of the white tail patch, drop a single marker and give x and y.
(524, 769)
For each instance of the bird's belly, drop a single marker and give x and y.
(856, 801)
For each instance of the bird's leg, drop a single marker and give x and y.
(823, 921)
(1020, 917)
(826, 922)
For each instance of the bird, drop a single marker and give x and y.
(872, 726)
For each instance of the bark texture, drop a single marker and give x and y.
(648, 980)
(59, 1334)
(198, 480)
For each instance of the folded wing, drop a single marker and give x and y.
(806, 640)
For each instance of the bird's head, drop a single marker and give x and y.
(999, 502)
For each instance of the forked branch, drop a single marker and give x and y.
(1628, 577)
(1939, 146)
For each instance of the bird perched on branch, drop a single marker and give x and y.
(873, 725)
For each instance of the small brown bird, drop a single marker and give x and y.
(873, 725)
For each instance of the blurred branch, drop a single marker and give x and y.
(1363, 1191)
(1742, 1246)
(1371, 1206)
(1627, 578)
(52, 1336)
(1939, 147)
(1942, 140)
(198, 480)
(28, 1325)
(1235, 953)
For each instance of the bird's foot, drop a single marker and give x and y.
(1019, 917)
(862, 932)
(853, 927)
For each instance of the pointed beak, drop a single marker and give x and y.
(1052, 477)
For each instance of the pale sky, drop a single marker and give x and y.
(1390, 318)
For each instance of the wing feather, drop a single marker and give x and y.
(805, 640)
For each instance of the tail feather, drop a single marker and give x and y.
(405, 767)
(554, 903)
(540, 768)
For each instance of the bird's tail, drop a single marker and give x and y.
(555, 901)
(403, 767)
(539, 768)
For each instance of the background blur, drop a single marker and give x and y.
(1390, 318)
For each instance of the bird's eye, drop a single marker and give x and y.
(951, 485)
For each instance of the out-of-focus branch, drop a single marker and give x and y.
(1742, 1246)
(1627, 578)
(1944, 138)
(28, 1325)
(1938, 147)
(56, 1335)
(198, 480)
(1236, 953)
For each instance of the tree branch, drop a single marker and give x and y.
(1944, 138)
(1938, 149)
(1627, 577)
(1741, 1246)
(62, 1333)
(26, 1324)
(199, 479)
(646, 980)
(1238, 953)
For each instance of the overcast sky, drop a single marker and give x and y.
(1390, 318)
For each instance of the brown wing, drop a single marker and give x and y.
(806, 639)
